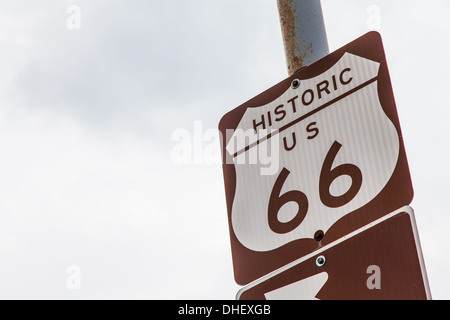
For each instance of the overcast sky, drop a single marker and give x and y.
(93, 204)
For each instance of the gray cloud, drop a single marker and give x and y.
(86, 118)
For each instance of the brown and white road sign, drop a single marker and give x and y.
(382, 261)
(313, 159)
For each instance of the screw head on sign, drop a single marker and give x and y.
(318, 236)
(320, 261)
(295, 84)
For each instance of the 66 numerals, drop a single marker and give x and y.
(328, 174)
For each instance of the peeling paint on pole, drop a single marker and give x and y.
(303, 30)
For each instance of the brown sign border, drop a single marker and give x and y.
(250, 265)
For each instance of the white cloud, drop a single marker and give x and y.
(135, 224)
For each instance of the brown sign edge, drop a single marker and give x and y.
(363, 46)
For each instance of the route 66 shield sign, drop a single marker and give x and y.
(313, 159)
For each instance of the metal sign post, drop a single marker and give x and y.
(304, 35)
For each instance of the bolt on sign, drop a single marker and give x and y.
(313, 159)
(381, 261)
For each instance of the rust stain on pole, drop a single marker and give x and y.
(303, 32)
(287, 19)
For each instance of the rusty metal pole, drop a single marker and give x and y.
(304, 34)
